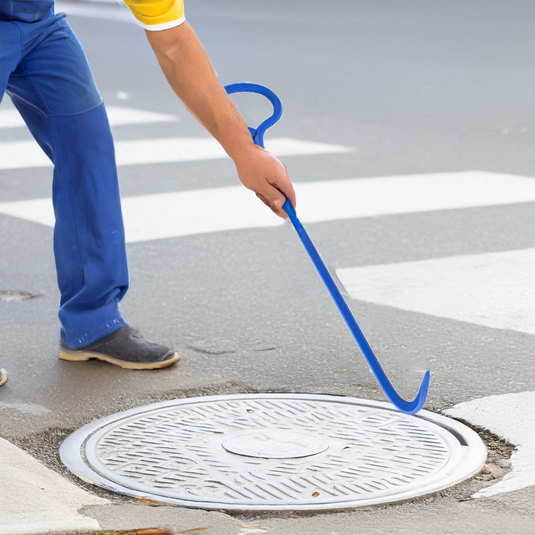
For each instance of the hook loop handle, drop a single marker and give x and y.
(247, 87)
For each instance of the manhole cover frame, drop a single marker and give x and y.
(467, 452)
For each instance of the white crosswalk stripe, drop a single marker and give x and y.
(183, 213)
(27, 154)
(96, 11)
(118, 116)
(492, 289)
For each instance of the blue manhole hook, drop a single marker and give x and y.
(407, 407)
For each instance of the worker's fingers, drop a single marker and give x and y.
(276, 189)
(273, 197)
(263, 199)
(284, 185)
(276, 205)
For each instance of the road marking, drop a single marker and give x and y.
(27, 154)
(510, 416)
(368, 197)
(183, 213)
(118, 116)
(167, 215)
(492, 289)
(121, 14)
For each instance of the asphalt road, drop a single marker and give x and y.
(411, 87)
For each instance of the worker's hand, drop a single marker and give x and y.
(261, 172)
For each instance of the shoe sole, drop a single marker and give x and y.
(87, 355)
(3, 377)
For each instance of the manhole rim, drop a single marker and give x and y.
(471, 456)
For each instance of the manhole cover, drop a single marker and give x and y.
(273, 452)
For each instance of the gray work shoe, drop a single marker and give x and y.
(125, 348)
(3, 376)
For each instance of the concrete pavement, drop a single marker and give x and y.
(414, 87)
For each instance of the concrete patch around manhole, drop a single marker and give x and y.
(270, 452)
(13, 295)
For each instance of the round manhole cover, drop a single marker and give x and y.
(273, 452)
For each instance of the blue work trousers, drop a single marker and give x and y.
(45, 72)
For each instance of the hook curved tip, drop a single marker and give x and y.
(414, 406)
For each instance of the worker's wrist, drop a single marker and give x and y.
(243, 151)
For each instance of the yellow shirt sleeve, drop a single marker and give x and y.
(157, 15)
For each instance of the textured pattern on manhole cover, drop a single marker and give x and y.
(273, 451)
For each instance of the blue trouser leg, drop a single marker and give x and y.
(53, 89)
(10, 53)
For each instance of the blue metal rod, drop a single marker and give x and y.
(407, 407)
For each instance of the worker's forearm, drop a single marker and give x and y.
(194, 80)
(192, 77)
